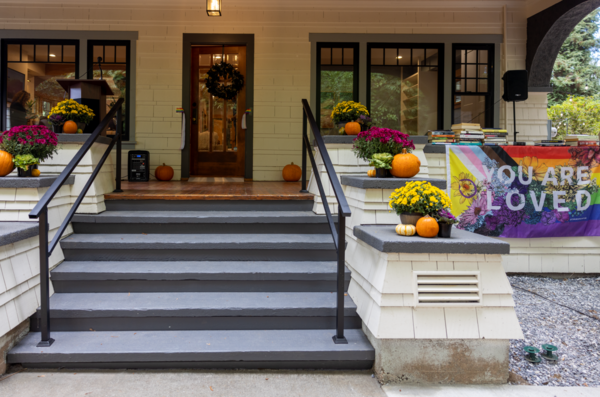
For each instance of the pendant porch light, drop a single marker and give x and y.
(213, 8)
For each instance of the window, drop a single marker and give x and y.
(114, 67)
(405, 86)
(30, 72)
(337, 80)
(472, 91)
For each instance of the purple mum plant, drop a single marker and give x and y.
(445, 216)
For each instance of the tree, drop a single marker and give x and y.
(580, 115)
(575, 70)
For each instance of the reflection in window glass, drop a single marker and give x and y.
(31, 86)
(337, 84)
(469, 109)
(405, 97)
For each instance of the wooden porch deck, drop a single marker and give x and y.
(180, 190)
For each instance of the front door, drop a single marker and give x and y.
(218, 140)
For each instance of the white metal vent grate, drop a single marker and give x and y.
(447, 288)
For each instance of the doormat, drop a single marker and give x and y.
(215, 179)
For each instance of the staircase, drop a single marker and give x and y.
(198, 284)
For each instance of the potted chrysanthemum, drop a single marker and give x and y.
(29, 145)
(418, 199)
(445, 219)
(347, 115)
(377, 141)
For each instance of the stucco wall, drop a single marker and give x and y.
(282, 58)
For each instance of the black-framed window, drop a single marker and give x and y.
(337, 80)
(29, 73)
(473, 84)
(405, 86)
(115, 65)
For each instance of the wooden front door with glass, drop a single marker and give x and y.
(217, 144)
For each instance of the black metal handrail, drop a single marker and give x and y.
(339, 233)
(40, 211)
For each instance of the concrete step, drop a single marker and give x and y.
(270, 349)
(202, 222)
(209, 205)
(229, 276)
(196, 311)
(193, 247)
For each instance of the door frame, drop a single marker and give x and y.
(191, 39)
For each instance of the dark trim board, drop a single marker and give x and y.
(321, 364)
(190, 39)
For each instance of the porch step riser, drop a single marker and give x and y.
(209, 205)
(169, 323)
(199, 228)
(79, 286)
(349, 364)
(90, 254)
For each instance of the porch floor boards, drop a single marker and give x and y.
(183, 190)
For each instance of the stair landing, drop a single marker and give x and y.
(183, 190)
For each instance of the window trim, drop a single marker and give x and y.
(490, 95)
(4, 67)
(355, 78)
(441, 59)
(90, 68)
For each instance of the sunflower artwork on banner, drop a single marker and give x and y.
(525, 191)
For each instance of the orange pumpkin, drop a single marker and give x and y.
(164, 173)
(427, 227)
(6, 163)
(36, 172)
(352, 128)
(372, 173)
(291, 173)
(405, 165)
(70, 127)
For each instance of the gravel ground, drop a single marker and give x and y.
(576, 335)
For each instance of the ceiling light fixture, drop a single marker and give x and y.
(52, 56)
(213, 8)
(399, 57)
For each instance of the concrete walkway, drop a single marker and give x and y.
(488, 391)
(191, 383)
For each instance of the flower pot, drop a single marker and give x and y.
(57, 129)
(382, 173)
(410, 218)
(81, 126)
(445, 230)
(341, 128)
(26, 174)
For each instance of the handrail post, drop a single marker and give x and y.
(339, 338)
(119, 136)
(304, 149)
(44, 281)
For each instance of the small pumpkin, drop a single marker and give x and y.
(352, 128)
(6, 163)
(36, 172)
(406, 230)
(405, 165)
(164, 172)
(372, 173)
(70, 127)
(427, 227)
(291, 173)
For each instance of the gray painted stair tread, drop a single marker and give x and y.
(210, 270)
(192, 304)
(202, 217)
(244, 345)
(199, 241)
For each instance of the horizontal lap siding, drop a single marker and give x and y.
(282, 56)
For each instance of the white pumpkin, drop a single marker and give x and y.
(406, 230)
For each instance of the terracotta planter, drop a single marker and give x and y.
(410, 218)
(382, 173)
(445, 230)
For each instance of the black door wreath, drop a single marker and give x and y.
(228, 73)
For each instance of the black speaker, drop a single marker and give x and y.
(138, 166)
(516, 88)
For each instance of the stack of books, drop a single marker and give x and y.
(441, 137)
(495, 136)
(468, 134)
(550, 142)
(581, 140)
(588, 143)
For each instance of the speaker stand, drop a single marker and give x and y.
(515, 120)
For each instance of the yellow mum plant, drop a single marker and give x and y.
(345, 112)
(419, 197)
(70, 109)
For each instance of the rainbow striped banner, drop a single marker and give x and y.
(525, 191)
